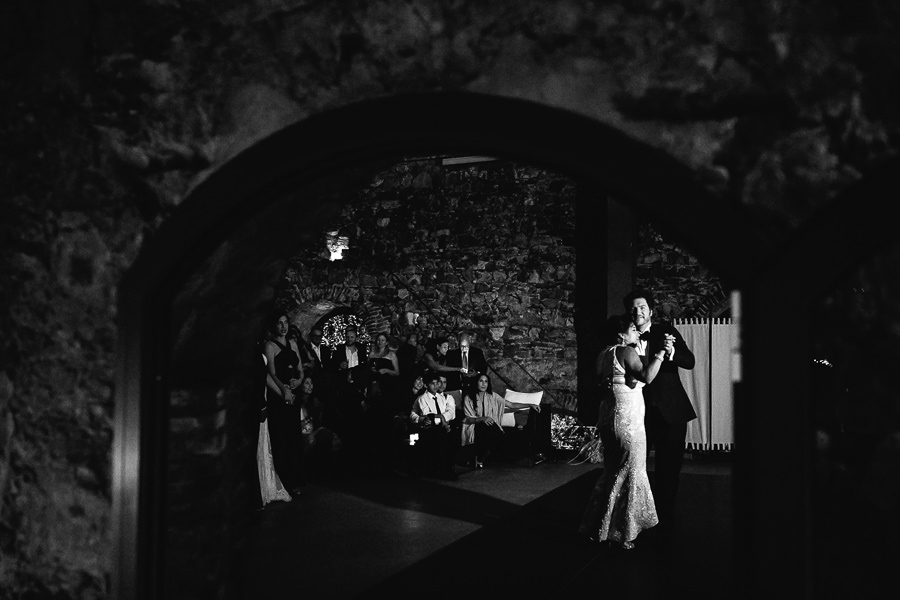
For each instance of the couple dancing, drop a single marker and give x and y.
(622, 504)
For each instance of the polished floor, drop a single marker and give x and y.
(509, 529)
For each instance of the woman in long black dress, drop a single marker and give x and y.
(381, 400)
(285, 374)
(385, 369)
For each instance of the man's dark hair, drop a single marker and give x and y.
(638, 293)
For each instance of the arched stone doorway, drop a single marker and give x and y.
(245, 201)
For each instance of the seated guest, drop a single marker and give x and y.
(456, 403)
(481, 423)
(401, 423)
(442, 388)
(318, 441)
(430, 417)
(416, 389)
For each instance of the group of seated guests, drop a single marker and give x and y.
(429, 406)
(445, 428)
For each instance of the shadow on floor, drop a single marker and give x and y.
(510, 532)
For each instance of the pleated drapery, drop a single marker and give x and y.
(709, 383)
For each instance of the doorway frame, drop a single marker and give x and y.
(652, 183)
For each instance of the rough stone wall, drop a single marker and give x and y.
(487, 248)
(111, 112)
(682, 285)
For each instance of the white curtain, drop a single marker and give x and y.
(709, 384)
(696, 380)
(724, 338)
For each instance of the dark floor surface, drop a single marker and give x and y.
(507, 530)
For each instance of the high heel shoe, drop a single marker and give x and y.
(479, 464)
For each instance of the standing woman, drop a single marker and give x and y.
(385, 369)
(381, 399)
(435, 357)
(621, 504)
(284, 375)
(270, 486)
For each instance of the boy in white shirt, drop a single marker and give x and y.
(430, 417)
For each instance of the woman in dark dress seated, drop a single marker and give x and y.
(318, 441)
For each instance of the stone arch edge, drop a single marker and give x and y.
(319, 147)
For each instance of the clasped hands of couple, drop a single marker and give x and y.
(669, 346)
(667, 351)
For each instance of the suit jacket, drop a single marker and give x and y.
(314, 363)
(666, 393)
(477, 365)
(360, 372)
(340, 355)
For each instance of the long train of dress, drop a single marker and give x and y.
(270, 486)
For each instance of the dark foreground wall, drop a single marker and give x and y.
(112, 112)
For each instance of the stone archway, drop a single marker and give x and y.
(231, 214)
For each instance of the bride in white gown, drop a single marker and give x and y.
(270, 486)
(621, 504)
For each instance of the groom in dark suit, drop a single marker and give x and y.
(669, 408)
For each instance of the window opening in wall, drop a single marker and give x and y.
(336, 244)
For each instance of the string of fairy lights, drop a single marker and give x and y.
(333, 331)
